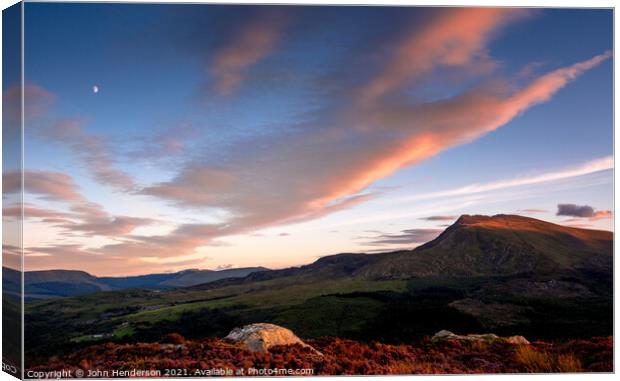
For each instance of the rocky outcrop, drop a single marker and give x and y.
(486, 337)
(260, 337)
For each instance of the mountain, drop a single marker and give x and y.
(51, 283)
(500, 245)
(62, 283)
(474, 246)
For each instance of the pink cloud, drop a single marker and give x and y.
(250, 44)
(601, 215)
(78, 257)
(49, 215)
(93, 150)
(439, 218)
(53, 185)
(11, 256)
(112, 226)
(580, 226)
(86, 217)
(533, 211)
(454, 37)
(36, 102)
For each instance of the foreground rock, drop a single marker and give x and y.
(487, 337)
(260, 337)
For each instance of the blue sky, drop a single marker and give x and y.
(238, 135)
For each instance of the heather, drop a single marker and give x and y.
(341, 357)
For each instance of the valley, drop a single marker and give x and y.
(508, 275)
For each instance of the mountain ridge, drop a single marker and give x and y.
(474, 245)
(42, 284)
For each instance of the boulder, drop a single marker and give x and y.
(488, 337)
(259, 337)
(443, 334)
(517, 340)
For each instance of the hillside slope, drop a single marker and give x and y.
(500, 245)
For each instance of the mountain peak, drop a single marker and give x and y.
(479, 219)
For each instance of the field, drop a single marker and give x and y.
(392, 312)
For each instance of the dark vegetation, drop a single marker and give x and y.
(341, 357)
(11, 331)
(385, 316)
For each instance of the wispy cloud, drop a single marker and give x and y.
(166, 144)
(85, 217)
(602, 164)
(533, 211)
(439, 218)
(454, 37)
(36, 102)
(248, 45)
(94, 152)
(405, 237)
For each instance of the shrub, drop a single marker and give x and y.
(534, 361)
(173, 338)
(568, 363)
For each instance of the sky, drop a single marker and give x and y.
(165, 137)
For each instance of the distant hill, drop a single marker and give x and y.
(61, 283)
(183, 278)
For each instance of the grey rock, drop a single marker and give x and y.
(259, 337)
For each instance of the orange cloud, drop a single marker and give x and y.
(250, 44)
(314, 174)
(454, 37)
(601, 215)
(543, 88)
